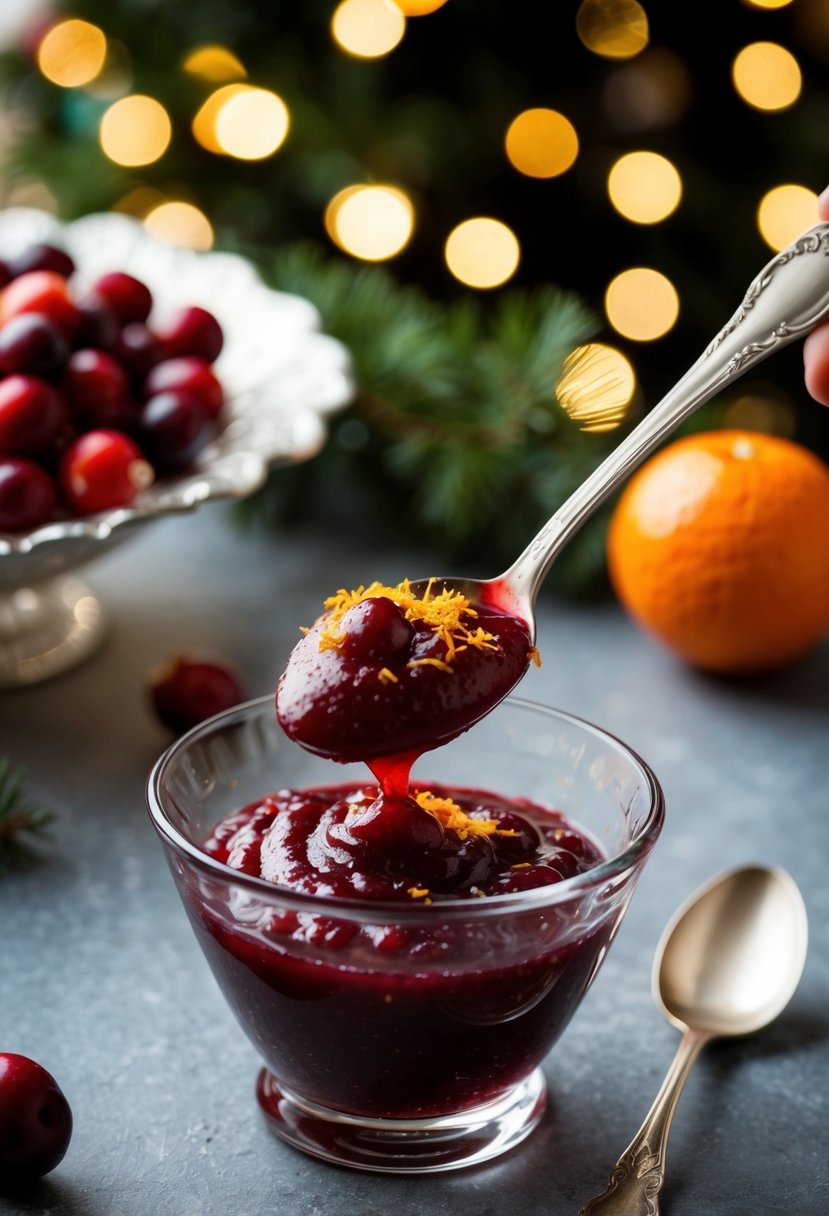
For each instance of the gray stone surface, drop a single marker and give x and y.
(102, 981)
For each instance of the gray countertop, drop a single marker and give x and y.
(102, 981)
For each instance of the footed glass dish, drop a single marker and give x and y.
(407, 1037)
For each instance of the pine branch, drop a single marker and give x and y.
(20, 822)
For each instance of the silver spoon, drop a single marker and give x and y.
(786, 301)
(727, 964)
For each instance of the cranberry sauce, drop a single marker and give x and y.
(388, 675)
(431, 1015)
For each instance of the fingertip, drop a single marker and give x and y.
(816, 364)
(823, 204)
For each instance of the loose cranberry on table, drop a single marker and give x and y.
(28, 495)
(102, 470)
(35, 1120)
(174, 429)
(192, 331)
(188, 689)
(31, 342)
(190, 375)
(33, 416)
(41, 291)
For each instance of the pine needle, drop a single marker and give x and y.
(21, 823)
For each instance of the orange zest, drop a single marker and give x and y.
(450, 816)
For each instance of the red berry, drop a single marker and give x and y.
(97, 326)
(42, 291)
(174, 429)
(187, 375)
(188, 689)
(5, 273)
(35, 1120)
(28, 496)
(32, 343)
(42, 257)
(129, 298)
(102, 470)
(33, 416)
(138, 349)
(192, 331)
(94, 382)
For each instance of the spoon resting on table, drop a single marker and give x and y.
(727, 964)
(785, 301)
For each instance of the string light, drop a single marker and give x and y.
(641, 304)
(370, 222)
(367, 29)
(417, 8)
(767, 3)
(135, 130)
(180, 223)
(214, 63)
(596, 386)
(542, 143)
(72, 53)
(482, 252)
(204, 124)
(252, 124)
(767, 76)
(784, 213)
(644, 187)
(614, 29)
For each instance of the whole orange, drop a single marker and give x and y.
(719, 545)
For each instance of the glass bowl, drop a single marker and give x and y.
(282, 378)
(391, 1059)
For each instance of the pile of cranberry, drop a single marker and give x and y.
(95, 401)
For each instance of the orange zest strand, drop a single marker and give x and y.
(450, 816)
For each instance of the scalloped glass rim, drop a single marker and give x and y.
(282, 375)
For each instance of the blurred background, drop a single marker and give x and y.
(524, 220)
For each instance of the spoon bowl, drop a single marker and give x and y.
(727, 964)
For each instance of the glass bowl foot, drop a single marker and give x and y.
(404, 1146)
(46, 629)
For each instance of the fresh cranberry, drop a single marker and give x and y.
(32, 343)
(97, 326)
(102, 470)
(192, 331)
(27, 495)
(94, 382)
(35, 1120)
(187, 374)
(129, 298)
(5, 273)
(174, 429)
(33, 416)
(42, 257)
(377, 628)
(41, 291)
(138, 349)
(188, 689)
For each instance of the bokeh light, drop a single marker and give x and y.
(135, 130)
(542, 143)
(367, 28)
(767, 3)
(180, 223)
(784, 213)
(213, 63)
(762, 407)
(417, 8)
(370, 222)
(614, 29)
(482, 252)
(204, 124)
(596, 386)
(72, 53)
(767, 76)
(641, 304)
(252, 124)
(644, 187)
(652, 91)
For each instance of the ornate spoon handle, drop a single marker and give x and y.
(636, 1179)
(786, 300)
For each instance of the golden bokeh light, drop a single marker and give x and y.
(641, 304)
(370, 222)
(251, 124)
(767, 76)
(417, 8)
(541, 143)
(652, 91)
(596, 386)
(135, 130)
(762, 408)
(767, 3)
(72, 53)
(139, 201)
(644, 187)
(204, 124)
(213, 63)
(784, 213)
(614, 29)
(367, 29)
(180, 223)
(482, 252)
